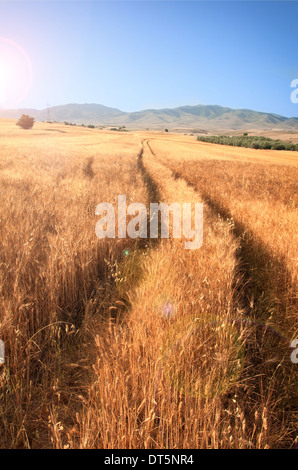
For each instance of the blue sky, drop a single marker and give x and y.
(135, 55)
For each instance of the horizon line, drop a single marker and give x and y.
(145, 109)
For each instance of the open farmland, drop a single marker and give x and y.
(123, 343)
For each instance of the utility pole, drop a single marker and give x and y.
(48, 112)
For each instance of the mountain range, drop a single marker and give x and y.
(207, 117)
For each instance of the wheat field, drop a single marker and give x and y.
(140, 343)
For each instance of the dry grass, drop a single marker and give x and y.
(170, 369)
(129, 344)
(260, 198)
(187, 148)
(261, 201)
(53, 269)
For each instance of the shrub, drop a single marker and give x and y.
(266, 145)
(255, 145)
(25, 122)
(278, 146)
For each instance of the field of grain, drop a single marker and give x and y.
(140, 343)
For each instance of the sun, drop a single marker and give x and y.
(15, 73)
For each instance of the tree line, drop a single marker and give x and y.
(249, 141)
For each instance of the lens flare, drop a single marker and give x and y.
(168, 309)
(15, 73)
(129, 272)
(202, 358)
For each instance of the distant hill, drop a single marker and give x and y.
(78, 113)
(208, 117)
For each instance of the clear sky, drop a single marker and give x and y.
(136, 55)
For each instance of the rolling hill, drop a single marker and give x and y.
(208, 117)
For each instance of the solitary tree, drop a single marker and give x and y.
(25, 122)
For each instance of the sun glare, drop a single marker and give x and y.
(15, 73)
(5, 78)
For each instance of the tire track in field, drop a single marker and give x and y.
(249, 252)
(103, 293)
(153, 197)
(250, 249)
(113, 293)
(267, 349)
(152, 188)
